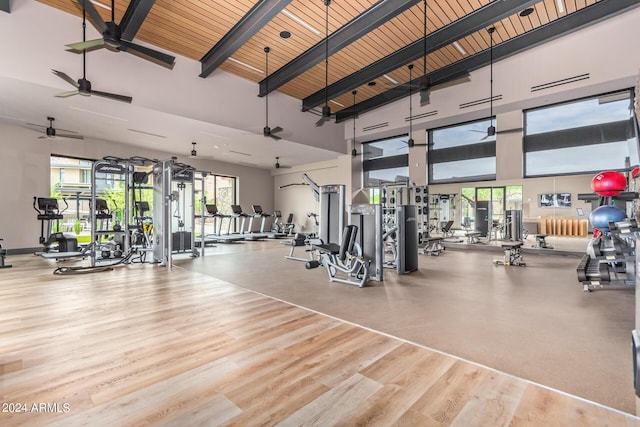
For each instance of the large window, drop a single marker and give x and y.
(462, 153)
(69, 186)
(385, 160)
(583, 136)
(221, 191)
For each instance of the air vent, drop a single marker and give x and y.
(480, 101)
(372, 127)
(422, 116)
(560, 82)
(240, 153)
(147, 133)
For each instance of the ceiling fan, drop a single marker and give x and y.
(51, 132)
(279, 166)
(119, 36)
(354, 152)
(267, 131)
(326, 110)
(491, 130)
(83, 86)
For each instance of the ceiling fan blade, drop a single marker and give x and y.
(43, 137)
(67, 94)
(510, 130)
(87, 45)
(65, 77)
(69, 136)
(152, 54)
(133, 18)
(275, 137)
(321, 121)
(276, 129)
(114, 96)
(94, 16)
(36, 125)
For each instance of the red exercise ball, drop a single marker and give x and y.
(609, 183)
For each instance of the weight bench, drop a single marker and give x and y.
(512, 255)
(299, 240)
(541, 242)
(433, 245)
(472, 237)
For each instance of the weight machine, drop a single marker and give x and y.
(173, 211)
(399, 234)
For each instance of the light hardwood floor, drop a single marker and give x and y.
(145, 346)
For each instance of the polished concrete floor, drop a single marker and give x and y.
(533, 322)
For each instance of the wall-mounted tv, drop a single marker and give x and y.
(554, 200)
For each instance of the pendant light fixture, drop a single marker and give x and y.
(354, 153)
(194, 153)
(491, 130)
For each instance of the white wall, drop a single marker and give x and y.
(24, 173)
(298, 199)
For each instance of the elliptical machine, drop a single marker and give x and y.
(48, 210)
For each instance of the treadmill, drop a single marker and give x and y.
(217, 236)
(259, 213)
(248, 234)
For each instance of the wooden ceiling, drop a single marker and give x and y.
(191, 28)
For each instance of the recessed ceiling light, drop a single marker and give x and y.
(147, 133)
(300, 21)
(244, 64)
(371, 83)
(216, 146)
(97, 3)
(395, 82)
(526, 12)
(336, 102)
(99, 114)
(285, 34)
(459, 48)
(560, 6)
(214, 135)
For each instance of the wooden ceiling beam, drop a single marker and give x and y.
(257, 17)
(362, 24)
(469, 24)
(582, 18)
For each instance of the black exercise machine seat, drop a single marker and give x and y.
(348, 241)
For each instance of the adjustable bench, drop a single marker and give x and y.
(433, 245)
(512, 255)
(541, 242)
(472, 237)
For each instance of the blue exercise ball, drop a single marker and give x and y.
(602, 215)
